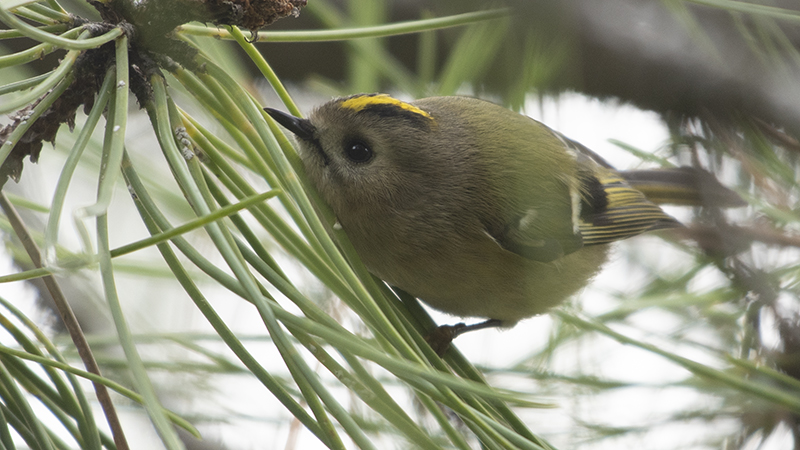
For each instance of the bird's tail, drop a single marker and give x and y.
(682, 186)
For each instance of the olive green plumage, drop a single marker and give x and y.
(473, 208)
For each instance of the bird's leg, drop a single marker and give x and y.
(440, 338)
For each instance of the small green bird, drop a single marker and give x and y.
(474, 209)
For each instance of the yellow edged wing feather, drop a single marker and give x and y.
(626, 214)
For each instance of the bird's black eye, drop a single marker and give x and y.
(358, 152)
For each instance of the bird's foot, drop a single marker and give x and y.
(440, 338)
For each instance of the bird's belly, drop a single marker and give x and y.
(492, 283)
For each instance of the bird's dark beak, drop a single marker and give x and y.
(302, 128)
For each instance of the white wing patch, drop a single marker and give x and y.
(573, 183)
(575, 199)
(528, 219)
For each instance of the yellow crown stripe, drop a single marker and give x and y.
(363, 101)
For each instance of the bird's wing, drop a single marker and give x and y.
(523, 238)
(605, 208)
(620, 213)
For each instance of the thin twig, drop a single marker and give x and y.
(70, 322)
